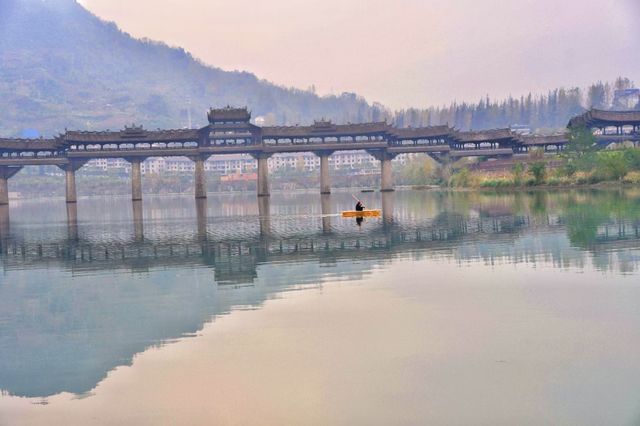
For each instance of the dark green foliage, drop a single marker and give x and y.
(580, 152)
(632, 157)
(539, 171)
(613, 164)
(518, 174)
(461, 179)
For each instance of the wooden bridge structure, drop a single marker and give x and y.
(230, 132)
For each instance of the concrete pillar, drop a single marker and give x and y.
(201, 217)
(4, 191)
(386, 181)
(138, 221)
(200, 178)
(263, 176)
(5, 174)
(325, 178)
(264, 211)
(325, 202)
(4, 223)
(70, 180)
(388, 201)
(72, 221)
(136, 179)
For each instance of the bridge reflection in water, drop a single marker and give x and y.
(84, 296)
(450, 231)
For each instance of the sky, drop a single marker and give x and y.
(400, 53)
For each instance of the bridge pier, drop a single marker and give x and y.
(70, 179)
(325, 178)
(388, 201)
(263, 174)
(325, 205)
(4, 224)
(72, 221)
(70, 184)
(264, 211)
(138, 220)
(136, 178)
(5, 174)
(200, 178)
(201, 218)
(386, 171)
(386, 180)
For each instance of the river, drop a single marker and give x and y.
(450, 308)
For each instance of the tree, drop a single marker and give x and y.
(461, 179)
(614, 164)
(597, 96)
(579, 153)
(539, 171)
(518, 173)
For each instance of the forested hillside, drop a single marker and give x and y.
(62, 67)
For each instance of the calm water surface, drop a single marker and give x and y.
(456, 308)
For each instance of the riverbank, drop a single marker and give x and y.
(584, 167)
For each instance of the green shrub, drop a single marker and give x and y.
(613, 164)
(496, 183)
(632, 155)
(554, 181)
(518, 174)
(595, 177)
(568, 169)
(539, 171)
(462, 179)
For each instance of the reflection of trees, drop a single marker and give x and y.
(584, 215)
(454, 224)
(582, 223)
(538, 205)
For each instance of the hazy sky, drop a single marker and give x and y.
(399, 52)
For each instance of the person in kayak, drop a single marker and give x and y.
(359, 206)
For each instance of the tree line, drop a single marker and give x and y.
(541, 113)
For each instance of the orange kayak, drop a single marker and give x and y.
(363, 213)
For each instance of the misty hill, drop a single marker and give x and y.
(62, 67)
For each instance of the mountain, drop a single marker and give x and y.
(63, 67)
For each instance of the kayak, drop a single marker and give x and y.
(363, 213)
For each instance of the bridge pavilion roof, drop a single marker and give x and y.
(31, 144)
(484, 136)
(602, 118)
(538, 140)
(326, 129)
(132, 135)
(228, 114)
(421, 132)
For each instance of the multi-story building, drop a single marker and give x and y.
(234, 163)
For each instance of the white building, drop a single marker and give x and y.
(233, 163)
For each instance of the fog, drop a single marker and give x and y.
(400, 53)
